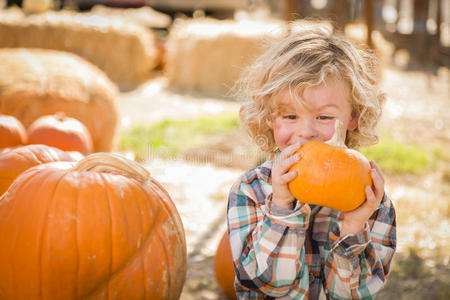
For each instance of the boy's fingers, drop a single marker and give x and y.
(289, 150)
(286, 178)
(370, 197)
(378, 182)
(378, 170)
(281, 165)
(288, 162)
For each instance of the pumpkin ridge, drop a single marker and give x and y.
(132, 187)
(168, 206)
(169, 277)
(108, 280)
(112, 275)
(104, 181)
(11, 210)
(147, 208)
(27, 159)
(77, 244)
(36, 157)
(44, 230)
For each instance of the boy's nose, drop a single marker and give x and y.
(306, 131)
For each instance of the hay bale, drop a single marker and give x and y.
(36, 82)
(11, 14)
(125, 51)
(208, 55)
(144, 15)
(302, 24)
(37, 6)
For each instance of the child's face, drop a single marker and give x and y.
(314, 118)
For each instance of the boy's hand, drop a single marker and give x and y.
(355, 220)
(281, 177)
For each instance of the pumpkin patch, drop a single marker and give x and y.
(97, 228)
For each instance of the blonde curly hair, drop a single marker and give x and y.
(307, 58)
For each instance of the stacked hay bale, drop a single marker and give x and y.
(11, 14)
(37, 6)
(207, 56)
(143, 15)
(302, 24)
(35, 82)
(125, 51)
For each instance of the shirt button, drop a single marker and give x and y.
(311, 277)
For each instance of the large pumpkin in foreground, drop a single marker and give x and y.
(16, 160)
(329, 174)
(223, 267)
(100, 228)
(12, 132)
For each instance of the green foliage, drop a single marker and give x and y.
(396, 157)
(170, 137)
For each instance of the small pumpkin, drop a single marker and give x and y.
(12, 132)
(98, 228)
(62, 132)
(329, 174)
(223, 267)
(19, 159)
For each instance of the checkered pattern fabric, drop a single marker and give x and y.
(298, 253)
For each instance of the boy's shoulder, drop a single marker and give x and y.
(260, 173)
(255, 184)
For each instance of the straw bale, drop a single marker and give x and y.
(37, 6)
(125, 51)
(301, 24)
(11, 14)
(145, 15)
(207, 56)
(36, 82)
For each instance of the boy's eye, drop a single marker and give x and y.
(325, 118)
(290, 117)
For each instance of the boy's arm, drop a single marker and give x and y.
(266, 242)
(357, 266)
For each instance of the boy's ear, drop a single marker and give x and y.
(269, 122)
(353, 124)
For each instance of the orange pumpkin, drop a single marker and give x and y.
(62, 132)
(99, 228)
(19, 159)
(223, 267)
(12, 132)
(329, 174)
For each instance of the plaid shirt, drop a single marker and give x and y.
(298, 254)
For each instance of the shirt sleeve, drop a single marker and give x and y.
(266, 243)
(357, 265)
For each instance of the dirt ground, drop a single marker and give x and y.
(417, 111)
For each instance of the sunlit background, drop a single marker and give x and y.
(165, 69)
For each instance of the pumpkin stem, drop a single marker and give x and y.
(60, 116)
(112, 163)
(337, 139)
